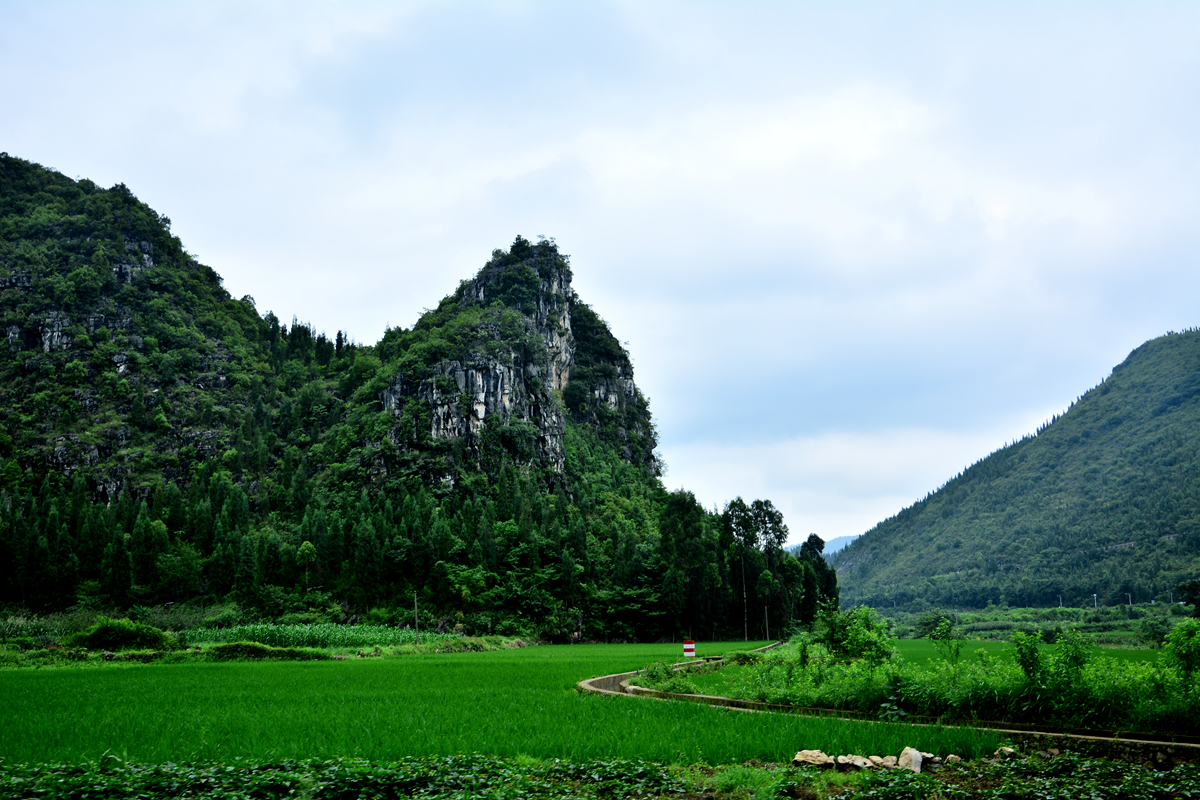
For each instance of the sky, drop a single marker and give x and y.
(851, 247)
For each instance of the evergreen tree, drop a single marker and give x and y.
(245, 580)
(118, 569)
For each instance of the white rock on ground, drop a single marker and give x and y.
(813, 758)
(910, 759)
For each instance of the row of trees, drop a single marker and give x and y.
(521, 559)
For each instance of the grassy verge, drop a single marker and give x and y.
(507, 703)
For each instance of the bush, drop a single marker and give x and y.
(1182, 648)
(857, 633)
(660, 676)
(744, 657)
(122, 634)
(1153, 630)
(928, 623)
(1028, 657)
(947, 641)
(253, 651)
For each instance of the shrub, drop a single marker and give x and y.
(744, 657)
(1028, 656)
(947, 641)
(1182, 648)
(1153, 630)
(121, 634)
(660, 676)
(253, 651)
(1071, 655)
(857, 633)
(928, 623)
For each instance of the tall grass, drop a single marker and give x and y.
(919, 651)
(318, 635)
(508, 703)
(1071, 686)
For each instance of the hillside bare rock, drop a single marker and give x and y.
(525, 370)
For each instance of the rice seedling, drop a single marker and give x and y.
(507, 703)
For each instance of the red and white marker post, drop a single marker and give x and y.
(689, 648)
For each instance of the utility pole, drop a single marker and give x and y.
(1127, 594)
(1060, 601)
(1095, 602)
(416, 618)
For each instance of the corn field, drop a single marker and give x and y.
(316, 635)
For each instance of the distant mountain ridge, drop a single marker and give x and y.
(832, 546)
(838, 542)
(1104, 499)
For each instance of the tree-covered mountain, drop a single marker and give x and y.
(164, 442)
(1104, 500)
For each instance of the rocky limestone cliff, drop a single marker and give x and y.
(550, 313)
(518, 375)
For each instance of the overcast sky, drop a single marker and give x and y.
(851, 247)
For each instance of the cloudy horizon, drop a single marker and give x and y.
(851, 248)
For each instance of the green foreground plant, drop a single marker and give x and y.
(475, 775)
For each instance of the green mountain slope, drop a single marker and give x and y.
(163, 442)
(1104, 499)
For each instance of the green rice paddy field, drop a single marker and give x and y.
(518, 702)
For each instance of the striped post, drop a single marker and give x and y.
(689, 648)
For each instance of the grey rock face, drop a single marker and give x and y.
(551, 316)
(70, 454)
(512, 366)
(461, 397)
(137, 258)
(507, 382)
(52, 331)
(17, 280)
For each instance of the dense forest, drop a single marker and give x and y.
(163, 442)
(1103, 500)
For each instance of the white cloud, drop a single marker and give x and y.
(861, 234)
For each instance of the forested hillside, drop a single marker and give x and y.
(164, 442)
(1103, 500)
